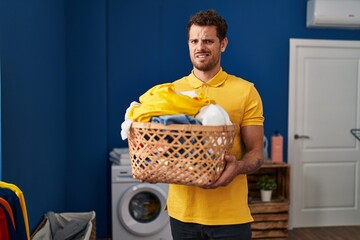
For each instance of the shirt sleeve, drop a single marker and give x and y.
(253, 114)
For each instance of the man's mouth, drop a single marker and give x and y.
(202, 55)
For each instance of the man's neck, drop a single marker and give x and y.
(205, 76)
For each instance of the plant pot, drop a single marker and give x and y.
(266, 195)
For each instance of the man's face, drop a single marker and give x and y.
(205, 47)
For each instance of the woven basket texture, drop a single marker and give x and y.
(179, 153)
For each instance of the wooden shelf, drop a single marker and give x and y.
(270, 218)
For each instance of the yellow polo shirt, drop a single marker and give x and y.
(223, 205)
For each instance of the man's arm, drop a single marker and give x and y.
(253, 139)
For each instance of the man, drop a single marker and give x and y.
(219, 211)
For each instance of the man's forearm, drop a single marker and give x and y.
(250, 163)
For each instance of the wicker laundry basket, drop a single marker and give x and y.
(179, 153)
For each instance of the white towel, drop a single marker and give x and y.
(213, 115)
(125, 126)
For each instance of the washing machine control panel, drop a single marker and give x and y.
(121, 173)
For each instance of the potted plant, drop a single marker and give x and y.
(266, 186)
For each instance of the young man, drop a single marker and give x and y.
(219, 211)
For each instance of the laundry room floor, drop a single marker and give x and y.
(325, 233)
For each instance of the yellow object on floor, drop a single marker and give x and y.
(15, 197)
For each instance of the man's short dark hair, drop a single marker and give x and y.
(209, 18)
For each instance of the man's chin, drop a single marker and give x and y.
(203, 68)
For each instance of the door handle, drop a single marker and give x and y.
(356, 133)
(297, 136)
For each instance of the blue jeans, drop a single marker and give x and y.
(193, 231)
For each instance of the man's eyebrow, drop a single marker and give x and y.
(208, 39)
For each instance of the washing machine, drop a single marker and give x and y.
(138, 209)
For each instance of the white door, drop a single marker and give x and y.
(324, 105)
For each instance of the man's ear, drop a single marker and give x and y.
(223, 44)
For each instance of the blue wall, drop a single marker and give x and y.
(0, 130)
(34, 102)
(70, 68)
(87, 171)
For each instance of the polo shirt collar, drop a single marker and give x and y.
(216, 81)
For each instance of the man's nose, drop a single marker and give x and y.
(200, 46)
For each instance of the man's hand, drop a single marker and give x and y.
(230, 172)
(253, 139)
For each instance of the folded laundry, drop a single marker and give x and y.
(175, 119)
(213, 115)
(120, 156)
(162, 99)
(188, 93)
(125, 126)
(163, 104)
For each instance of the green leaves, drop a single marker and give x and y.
(266, 183)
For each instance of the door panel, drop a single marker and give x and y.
(324, 104)
(332, 189)
(329, 86)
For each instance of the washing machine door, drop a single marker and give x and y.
(141, 209)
